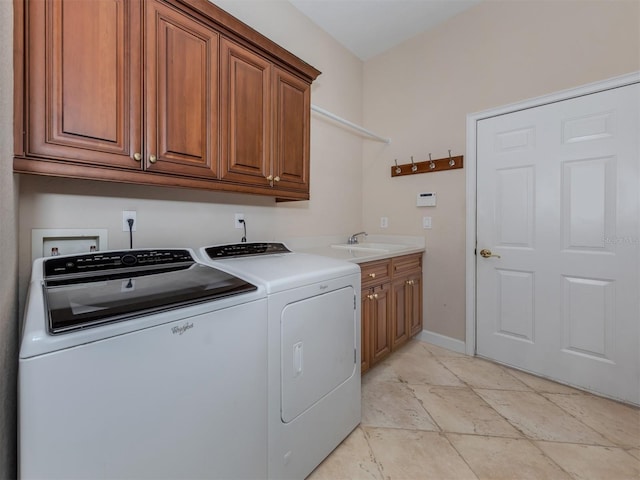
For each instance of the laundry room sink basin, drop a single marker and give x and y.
(371, 247)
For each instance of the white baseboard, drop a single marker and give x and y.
(443, 341)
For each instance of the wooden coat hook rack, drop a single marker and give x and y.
(428, 166)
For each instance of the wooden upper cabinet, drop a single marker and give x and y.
(245, 87)
(292, 131)
(84, 90)
(181, 101)
(158, 92)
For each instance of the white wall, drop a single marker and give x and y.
(8, 252)
(420, 92)
(181, 217)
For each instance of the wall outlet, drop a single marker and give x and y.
(426, 222)
(126, 215)
(384, 222)
(238, 217)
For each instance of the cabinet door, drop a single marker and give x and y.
(407, 308)
(401, 311)
(367, 312)
(181, 93)
(415, 319)
(292, 100)
(245, 83)
(84, 90)
(380, 323)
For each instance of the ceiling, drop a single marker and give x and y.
(370, 27)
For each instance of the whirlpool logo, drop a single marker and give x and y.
(180, 329)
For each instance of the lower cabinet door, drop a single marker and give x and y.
(380, 322)
(365, 332)
(407, 308)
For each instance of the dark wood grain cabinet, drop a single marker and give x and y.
(246, 107)
(292, 104)
(160, 92)
(265, 122)
(391, 306)
(84, 102)
(181, 93)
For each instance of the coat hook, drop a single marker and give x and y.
(414, 167)
(431, 164)
(452, 162)
(398, 169)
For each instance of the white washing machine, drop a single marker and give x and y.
(142, 364)
(313, 349)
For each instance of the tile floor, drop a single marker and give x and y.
(429, 413)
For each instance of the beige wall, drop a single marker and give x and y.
(8, 252)
(420, 92)
(180, 217)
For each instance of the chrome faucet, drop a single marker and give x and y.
(353, 239)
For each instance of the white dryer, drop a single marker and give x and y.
(313, 349)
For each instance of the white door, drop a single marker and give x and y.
(558, 201)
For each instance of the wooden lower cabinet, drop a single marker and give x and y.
(391, 306)
(407, 308)
(379, 316)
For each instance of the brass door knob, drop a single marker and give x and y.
(153, 159)
(486, 253)
(137, 156)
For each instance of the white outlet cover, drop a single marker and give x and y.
(384, 222)
(426, 222)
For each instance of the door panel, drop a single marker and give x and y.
(182, 94)
(318, 349)
(402, 310)
(291, 149)
(245, 93)
(84, 88)
(381, 322)
(558, 204)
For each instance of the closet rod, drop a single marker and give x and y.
(338, 119)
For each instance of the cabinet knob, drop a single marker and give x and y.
(372, 275)
(137, 156)
(152, 159)
(277, 179)
(370, 297)
(270, 177)
(409, 282)
(375, 295)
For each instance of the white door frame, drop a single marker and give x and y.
(471, 166)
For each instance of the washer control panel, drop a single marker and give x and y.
(245, 249)
(101, 261)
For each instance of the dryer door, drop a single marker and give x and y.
(318, 349)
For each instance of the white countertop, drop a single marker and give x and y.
(403, 245)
